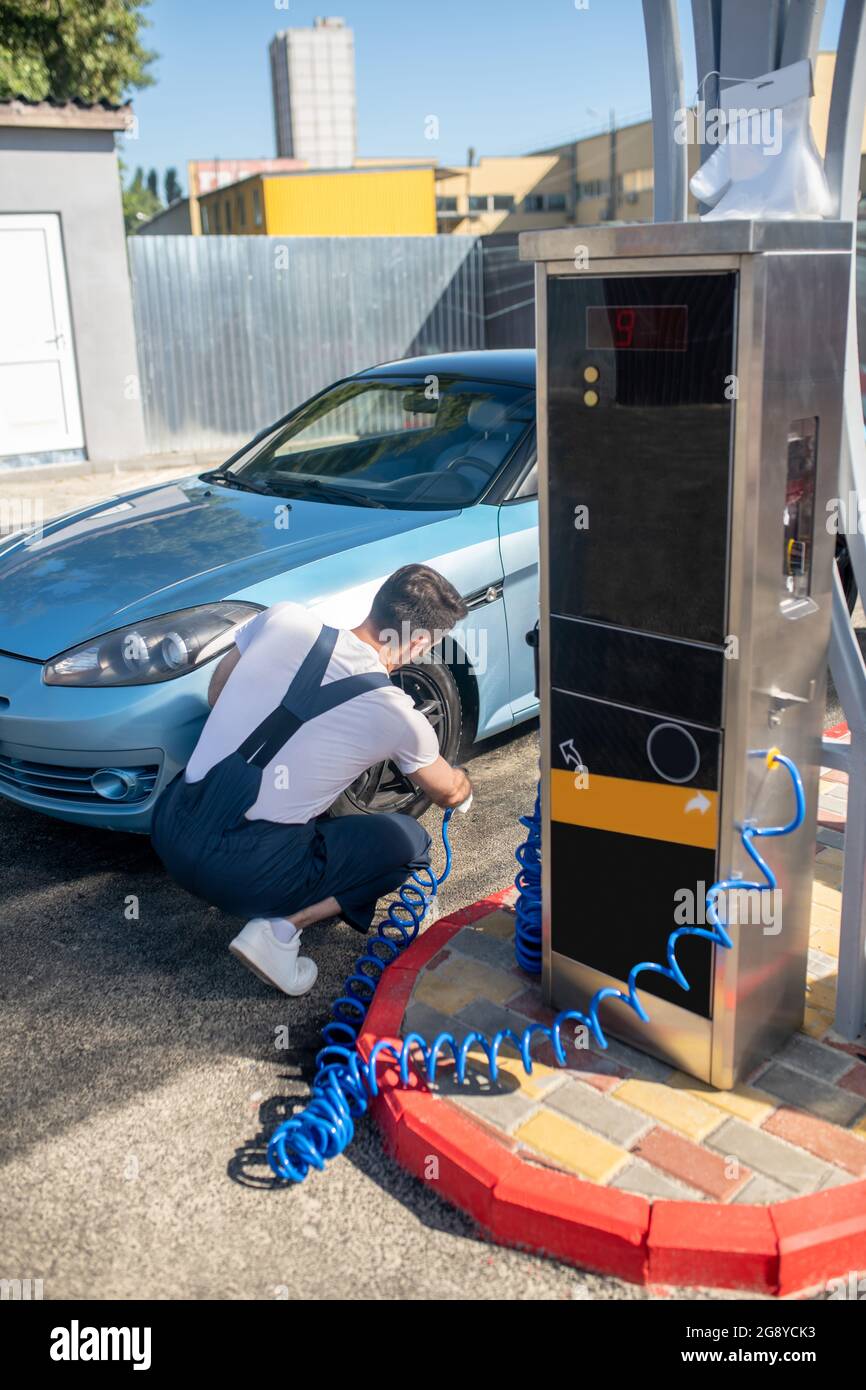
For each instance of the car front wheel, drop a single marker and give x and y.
(433, 690)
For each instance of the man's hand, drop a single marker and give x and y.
(445, 785)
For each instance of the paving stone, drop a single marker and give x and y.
(420, 1018)
(530, 1004)
(825, 1141)
(821, 965)
(501, 1108)
(760, 1191)
(498, 924)
(602, 1113)
(808, 1093)
(822, 917)
(764, 1154)
(816, 1023)
(806, 1055)
(743, 1101)
(629, 1057)
(825, 939)
(821, 994)
(828, 897)
(650, 1182)
(596, 1069)
(460, 980)
(833, 839)
(692, 1164)
(479, 945)
(676, 1109)
(572, 1147)
(837, 1177)
(855, 1080)
(491, 1018)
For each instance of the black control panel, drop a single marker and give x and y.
(640, 416)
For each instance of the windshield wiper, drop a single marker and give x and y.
(326, 490)
(217, 475)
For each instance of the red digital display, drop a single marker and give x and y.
(637, 327)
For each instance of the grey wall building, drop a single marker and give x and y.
(69, 385)
(313, 80)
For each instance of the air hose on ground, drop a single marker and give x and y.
(344, 1082)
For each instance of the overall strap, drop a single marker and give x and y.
(305, 699)
(282, 723)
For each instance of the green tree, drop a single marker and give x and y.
(89, 50)
(153, 183)
(173, 190)
(139, 203)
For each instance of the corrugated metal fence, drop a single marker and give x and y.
(234, 331)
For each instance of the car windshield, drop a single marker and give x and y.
(399, 442)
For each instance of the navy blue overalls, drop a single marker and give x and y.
(259, 868)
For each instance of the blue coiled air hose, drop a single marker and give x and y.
(344, 1082)
(527, 909)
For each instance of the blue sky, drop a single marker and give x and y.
(504, 76)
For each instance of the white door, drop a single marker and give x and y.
(39, 406)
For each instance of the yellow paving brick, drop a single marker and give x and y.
(829, 875)
(816, 1023)
(827, 897)
(672, 1107)
(859, 1126)
(744, 1102)
(824, 939)
(498, 924)
(830, 855)
(534, 1085)
(572, 1146)
(821, 994)
(456, 983)
(822, 916)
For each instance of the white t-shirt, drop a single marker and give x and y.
(327, 753)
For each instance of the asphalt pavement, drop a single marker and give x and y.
(143, 1068)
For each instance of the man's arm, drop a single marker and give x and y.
(445, 785)
(221, 675)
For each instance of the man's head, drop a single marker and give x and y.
(414, 609)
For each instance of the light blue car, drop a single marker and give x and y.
(111, 618)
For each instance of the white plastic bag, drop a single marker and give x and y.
(768, 165)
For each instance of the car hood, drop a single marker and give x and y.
(165, 548)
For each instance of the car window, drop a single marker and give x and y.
(529, 486)
(401, 442)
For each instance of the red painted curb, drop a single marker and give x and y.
(777, 1249)
(837, 731)
(719, 1246)
(555, 1214)
(821, 1236)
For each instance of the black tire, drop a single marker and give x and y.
(433, 689)
(846, 572)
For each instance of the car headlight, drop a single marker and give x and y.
(158, 649)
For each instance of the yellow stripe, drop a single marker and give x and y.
(652, 810)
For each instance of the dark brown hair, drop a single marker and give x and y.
(419, 597)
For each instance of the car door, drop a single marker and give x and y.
(518, 548)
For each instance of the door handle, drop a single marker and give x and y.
(58, 339)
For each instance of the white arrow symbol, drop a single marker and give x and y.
(699, 803)
(570, 754)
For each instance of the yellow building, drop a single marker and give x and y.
(347, 202)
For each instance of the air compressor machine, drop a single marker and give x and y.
(689, 406)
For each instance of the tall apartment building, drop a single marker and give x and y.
(313, 81)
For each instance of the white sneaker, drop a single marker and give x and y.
(276, 962)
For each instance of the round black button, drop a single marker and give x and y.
(673, 752)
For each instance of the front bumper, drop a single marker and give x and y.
(55, 741)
